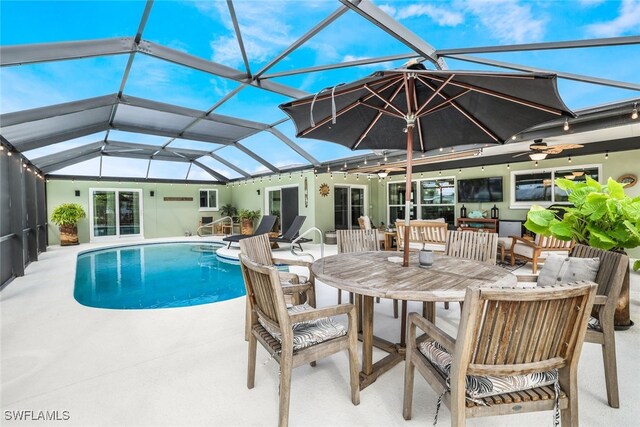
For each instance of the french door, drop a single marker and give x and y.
(115, 213)
(349, 205)
(283, 203)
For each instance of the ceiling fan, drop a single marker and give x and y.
(384, 172)
(539, 149)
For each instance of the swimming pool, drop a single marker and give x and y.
(155, 276)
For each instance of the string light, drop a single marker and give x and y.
(365, 160)
(606, 155)
(482, 169)
(459, 171)
(9, 153)
(345, 165)
(441, 148)
(536, 163)
(385, 157)
(439, 172)
(634, 113)
(508, 166)
(566, 124)
(569, 159)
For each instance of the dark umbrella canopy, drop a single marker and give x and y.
(425, 110)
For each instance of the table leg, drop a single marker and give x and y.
(358, 304)
(367, 335)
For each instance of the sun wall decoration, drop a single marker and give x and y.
(324, 190)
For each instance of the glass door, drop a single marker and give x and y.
(349, 204)
(115, 213)
(274, 202)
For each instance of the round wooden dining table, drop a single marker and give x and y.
(374, 274)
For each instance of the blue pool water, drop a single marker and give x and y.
(155, 276)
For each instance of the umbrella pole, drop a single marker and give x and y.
(407, 198)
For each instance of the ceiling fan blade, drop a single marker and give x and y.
(567, 146)
(524, 154)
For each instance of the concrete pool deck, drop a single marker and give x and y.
(187, 366)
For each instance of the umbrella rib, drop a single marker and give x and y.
(346, 108)
(434, 94)
(444, 104)
(308, 100)
(383, 100)
(450, 101)
(330, 117)
(513, 99)
(374, 121)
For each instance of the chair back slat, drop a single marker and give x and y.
(524, 326)
(550, 243)
(428, 232)
(356, 240)
(264, 292)
(257, 249)
(612, 265)
(477, 246)
(611, 272)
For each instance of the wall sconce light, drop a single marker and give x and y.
(77, 193)
(152, 193)
(258, 191)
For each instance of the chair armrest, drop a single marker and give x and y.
(295, 287)
(292, 262)
(318, 313)
(524, 242)
(432, 331)
(600, 300)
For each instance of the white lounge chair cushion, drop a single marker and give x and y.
(478, 386)
(563, 269)
(306, 334)
(506, 242)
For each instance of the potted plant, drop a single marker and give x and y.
(600, 216)
(66, 217)
(247, 217)
(228, 210)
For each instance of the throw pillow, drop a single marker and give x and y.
(562, 269)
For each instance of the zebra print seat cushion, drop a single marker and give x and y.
(306, 334)
(478, 386)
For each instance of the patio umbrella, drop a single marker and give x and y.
(391, 110)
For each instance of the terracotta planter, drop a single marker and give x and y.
(247, 227)
(68, 235)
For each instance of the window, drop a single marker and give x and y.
(533, 187)
(436, 199)
(208, 200)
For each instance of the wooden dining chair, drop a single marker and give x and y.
(297, 289)
(538, 249)
(476, 246)
(612, 270)
(294, 336)
(359, 241)
(516, 351)
(423, 234)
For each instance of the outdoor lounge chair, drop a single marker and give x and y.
(292, 232)
(266, 224)
(516, 351)
(294, 336)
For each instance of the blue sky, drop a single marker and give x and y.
(204, 29)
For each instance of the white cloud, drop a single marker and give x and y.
(591, 3)
(264, 31)
(445, 17)
(508, 21)
(628, 21)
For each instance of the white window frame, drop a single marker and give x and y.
(93, 238)
(208, 208)
(418, 197)
(527, 205)
(265, 203)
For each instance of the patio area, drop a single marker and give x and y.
(187, 366)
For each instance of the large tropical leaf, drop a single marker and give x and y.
(616, 190)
